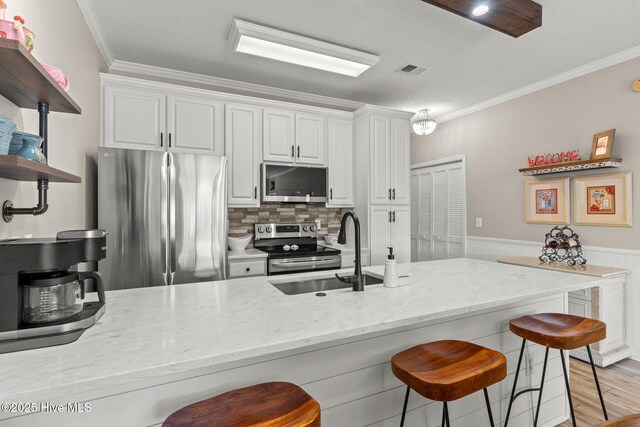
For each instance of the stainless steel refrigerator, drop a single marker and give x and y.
(166, 215)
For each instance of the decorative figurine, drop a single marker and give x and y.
(561, 244)
(553, 159)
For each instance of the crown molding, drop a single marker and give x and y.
(375, 109)
(94, 28)
(184, 76)
(177, 89)
(600, 64)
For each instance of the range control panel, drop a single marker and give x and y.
(278, 231)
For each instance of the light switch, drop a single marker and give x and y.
(478, 222)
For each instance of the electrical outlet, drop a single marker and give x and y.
(478, 222)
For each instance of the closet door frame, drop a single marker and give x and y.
(444, 162)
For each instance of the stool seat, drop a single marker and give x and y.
(628, 421)
(449, 370)
(559, 331)
(276, 404)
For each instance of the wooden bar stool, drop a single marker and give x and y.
(276, 404)
(628, 421)
(562, 332)
(445, 371)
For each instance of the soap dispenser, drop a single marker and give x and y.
(390, 274)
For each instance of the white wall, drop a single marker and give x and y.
(63, 40)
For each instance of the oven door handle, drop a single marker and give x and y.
(306, 262)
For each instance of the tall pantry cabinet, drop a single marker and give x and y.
(382, 196)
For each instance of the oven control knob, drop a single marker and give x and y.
(269, 229)
(260, 230)
(305, 228)
(312, 228)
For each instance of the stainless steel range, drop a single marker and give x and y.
(293, 248)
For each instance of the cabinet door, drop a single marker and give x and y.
(379, 170)
(279, 136)
(195, 125)
(243, 147)
(401, 233)
(134, 118)
(340, 171)
(380, 234)
(310, 139)
(399, 162)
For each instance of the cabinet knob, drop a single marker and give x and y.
(248, 269)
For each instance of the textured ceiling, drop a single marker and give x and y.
(468, 63)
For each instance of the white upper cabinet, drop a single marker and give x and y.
(134, 118)
(279, 135)
(400, 158)
(243, 139)
(291, 137)
(194, 125)
(389, 171)
(379, 171)
(310, 140)
(153, 119)
(340, 164)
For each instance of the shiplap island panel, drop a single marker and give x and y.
(158, 349)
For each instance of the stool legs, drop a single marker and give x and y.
(515, 383)
(404, 407)
(544, 372)
(595, 377)
(566, 382)
(486, 399)
(445, 415)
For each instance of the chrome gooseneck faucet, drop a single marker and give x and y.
(356, 279)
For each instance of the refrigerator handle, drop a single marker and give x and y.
(172, 218)
(164, 212)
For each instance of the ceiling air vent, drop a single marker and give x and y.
(411, 69)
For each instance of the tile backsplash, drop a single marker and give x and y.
(241, 220)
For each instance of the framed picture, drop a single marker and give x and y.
(602, 143)
(547, 201)
(604, 200)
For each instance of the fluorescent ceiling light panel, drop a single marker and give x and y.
(253, 39)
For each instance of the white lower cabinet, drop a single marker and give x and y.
(390, 227)
(243, 145)
(349, 259)
(247, 267)
(606, 303)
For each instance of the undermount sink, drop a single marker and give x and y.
(319, 285)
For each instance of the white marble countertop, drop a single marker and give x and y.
(152, 332)
(246, 254)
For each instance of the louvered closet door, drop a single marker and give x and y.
(437, 219)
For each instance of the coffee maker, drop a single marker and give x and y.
(42, 293)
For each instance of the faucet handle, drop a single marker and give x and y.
(345, 279)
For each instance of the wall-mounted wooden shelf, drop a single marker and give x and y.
(572, 166)
(21, 169)
(26, 83)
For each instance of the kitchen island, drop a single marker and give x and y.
(158, 349)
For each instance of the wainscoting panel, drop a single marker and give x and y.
(493, 249)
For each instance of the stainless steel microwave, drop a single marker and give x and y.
(293, 184)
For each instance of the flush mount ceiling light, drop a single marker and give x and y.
(254, 39)
(480, 10)
(422, 124)
(512, 17)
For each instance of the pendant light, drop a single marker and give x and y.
(422, 124)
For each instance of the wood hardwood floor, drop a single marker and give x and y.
(620, 385)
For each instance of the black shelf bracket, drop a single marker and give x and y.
(8, 211)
